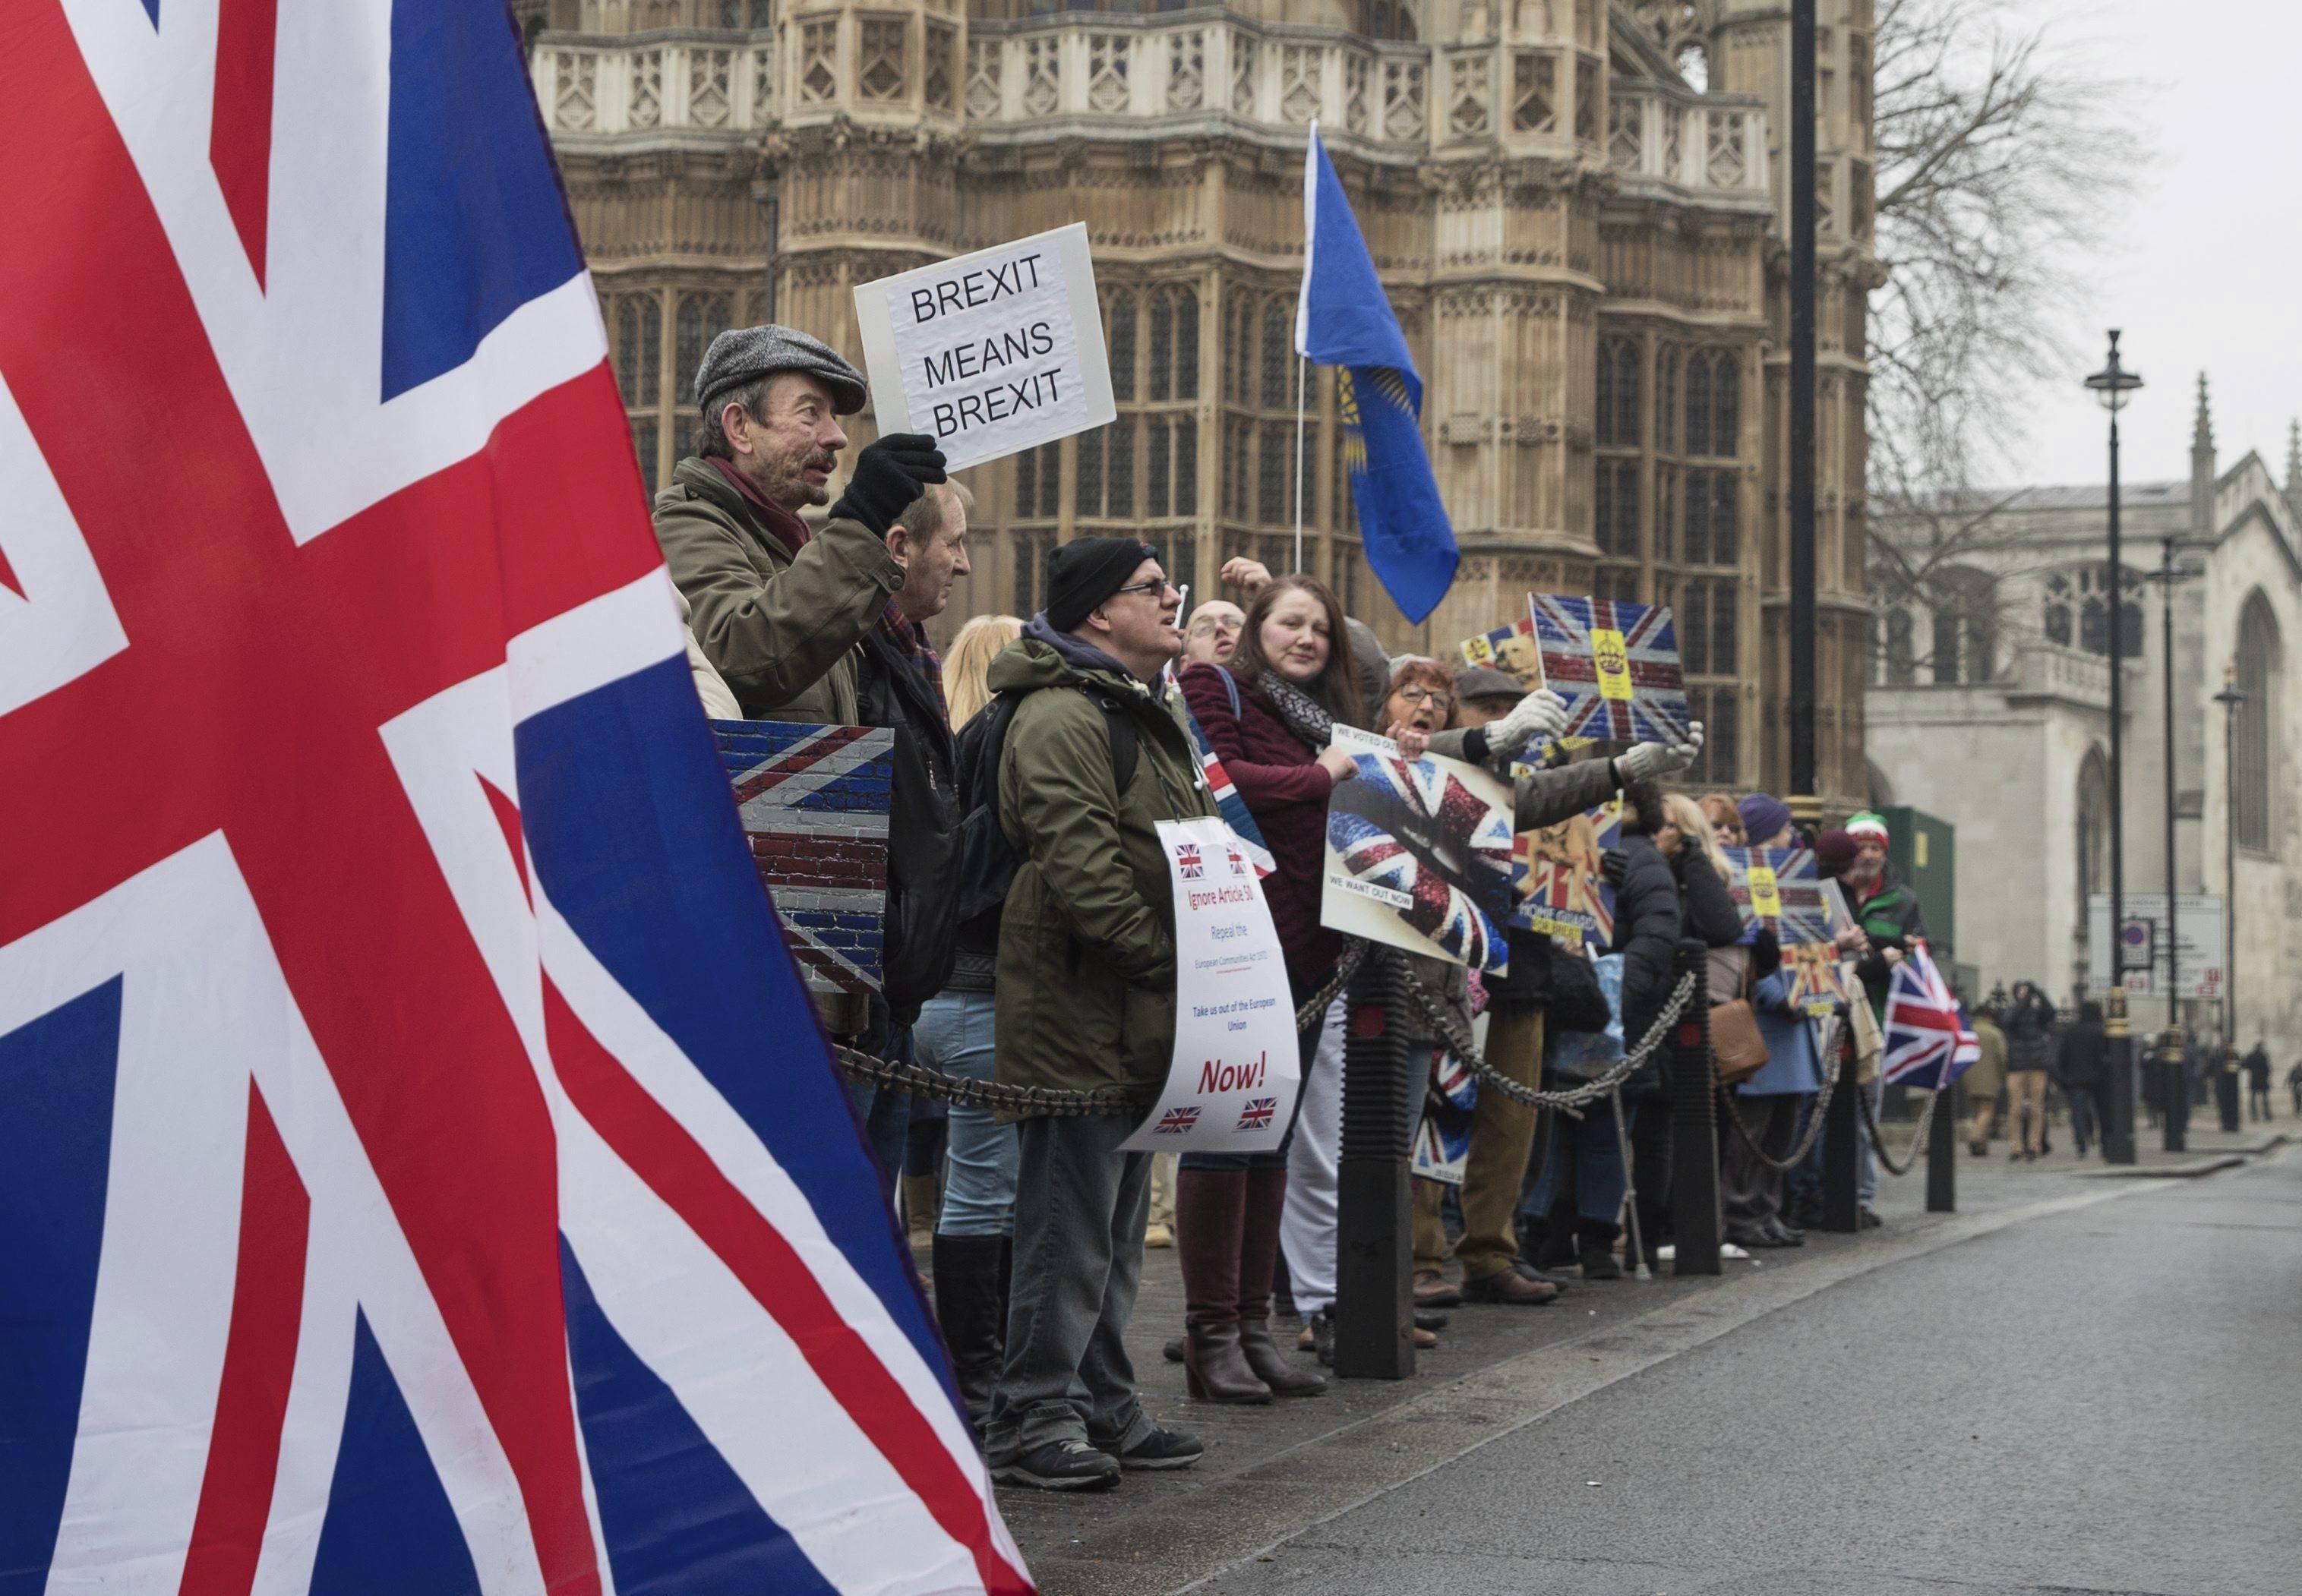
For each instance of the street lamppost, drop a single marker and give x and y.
(2175, 1122)
(2113, 385)
(2230, 697)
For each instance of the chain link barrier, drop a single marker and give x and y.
(1796, 1155)
(1919, 1144)
(1445, 1030)
(1040, 1102)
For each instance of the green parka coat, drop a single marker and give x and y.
(1087, 941)
(781, 629)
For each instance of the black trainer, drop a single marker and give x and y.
(1161, 1449)
(1059, 1466)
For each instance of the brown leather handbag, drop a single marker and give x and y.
(1735, 1044)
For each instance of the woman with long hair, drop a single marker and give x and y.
(1269, 715)
(953, 1034)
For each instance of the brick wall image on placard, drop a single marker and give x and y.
(814, 801)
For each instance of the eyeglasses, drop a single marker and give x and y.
(1417, 695)
(1159, 589)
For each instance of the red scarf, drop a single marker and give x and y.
(788, 529)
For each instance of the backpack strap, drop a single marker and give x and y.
(1230, 690)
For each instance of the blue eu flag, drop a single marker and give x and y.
(1344, 319)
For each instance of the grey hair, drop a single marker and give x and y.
(710, 435)
(923, 517)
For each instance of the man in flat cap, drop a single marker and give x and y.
(778, 608)
(1095, 756)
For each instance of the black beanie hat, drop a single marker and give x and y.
(1085, 571)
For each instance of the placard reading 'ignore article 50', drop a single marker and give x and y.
(989, 353)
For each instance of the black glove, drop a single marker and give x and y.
(1615, 864)
(889, 475)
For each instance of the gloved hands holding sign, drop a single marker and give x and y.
(890, 474)
(1659, 759)
(1540, 713)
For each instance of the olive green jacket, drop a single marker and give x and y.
(782, 630)
(1087, 940)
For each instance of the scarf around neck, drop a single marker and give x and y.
(1297, 710)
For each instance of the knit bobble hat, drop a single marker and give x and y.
(1763, 815)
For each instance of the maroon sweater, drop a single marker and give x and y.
(1286, 792)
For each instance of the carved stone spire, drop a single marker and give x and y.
(2294, 466)
(2202, 467)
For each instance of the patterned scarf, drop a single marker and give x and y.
(1297, 710)
(911, 639)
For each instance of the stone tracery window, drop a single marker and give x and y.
(2074, 611)
(818, 60)
(880, 74)
(1534, 92)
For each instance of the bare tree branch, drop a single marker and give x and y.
(2000, 156)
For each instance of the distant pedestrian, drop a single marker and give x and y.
(2082, 1067)
(2029, 1023)
(2257, 1083)
(1985, 1080)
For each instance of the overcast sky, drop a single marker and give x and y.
(2203, 273)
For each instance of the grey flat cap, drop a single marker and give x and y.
(743, 354)
(1485, 681)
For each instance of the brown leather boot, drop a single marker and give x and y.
(1271, 1365)
(1259, 1259)
(1210, 1211)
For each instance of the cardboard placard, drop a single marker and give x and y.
(989, 353)
(1232, 1080)
(1419, 854)
(1782, 890)
(1616, 664)
(1558, 881)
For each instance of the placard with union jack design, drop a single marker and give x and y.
(1781, 890)
(1616, 663)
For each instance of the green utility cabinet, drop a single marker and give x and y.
(1924, 852)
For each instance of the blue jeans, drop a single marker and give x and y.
(2081, 1114)
(1585, 1152)
(953, 1035)
(886, 1116)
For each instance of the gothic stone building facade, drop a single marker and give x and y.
(1577, 207)
(1990, 709)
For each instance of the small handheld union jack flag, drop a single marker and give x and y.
(1176, 1121)
(1616, 666)
(1187, 858)
(1258, 1112)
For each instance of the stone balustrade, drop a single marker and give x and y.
(1022, 80)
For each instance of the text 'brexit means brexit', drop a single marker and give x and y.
(1000, 398)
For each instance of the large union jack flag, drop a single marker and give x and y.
(419, 1168)
(1616, 664)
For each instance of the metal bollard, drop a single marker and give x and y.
(1942, 1151)
(1374, 1304)
(1694, 1124)
(2174, 1097)
(1841, 1184)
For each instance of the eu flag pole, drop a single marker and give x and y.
(1343, 318)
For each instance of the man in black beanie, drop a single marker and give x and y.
(1095, 756)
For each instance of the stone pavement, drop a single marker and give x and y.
(1271, 1472)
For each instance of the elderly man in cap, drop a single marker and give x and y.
(1095, 756)
(777, 606)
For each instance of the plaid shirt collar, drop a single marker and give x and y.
(911, 638)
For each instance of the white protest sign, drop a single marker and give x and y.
(992, 352)
(1233, 1081)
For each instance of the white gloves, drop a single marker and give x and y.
(1540, 713)
(1658, 759)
